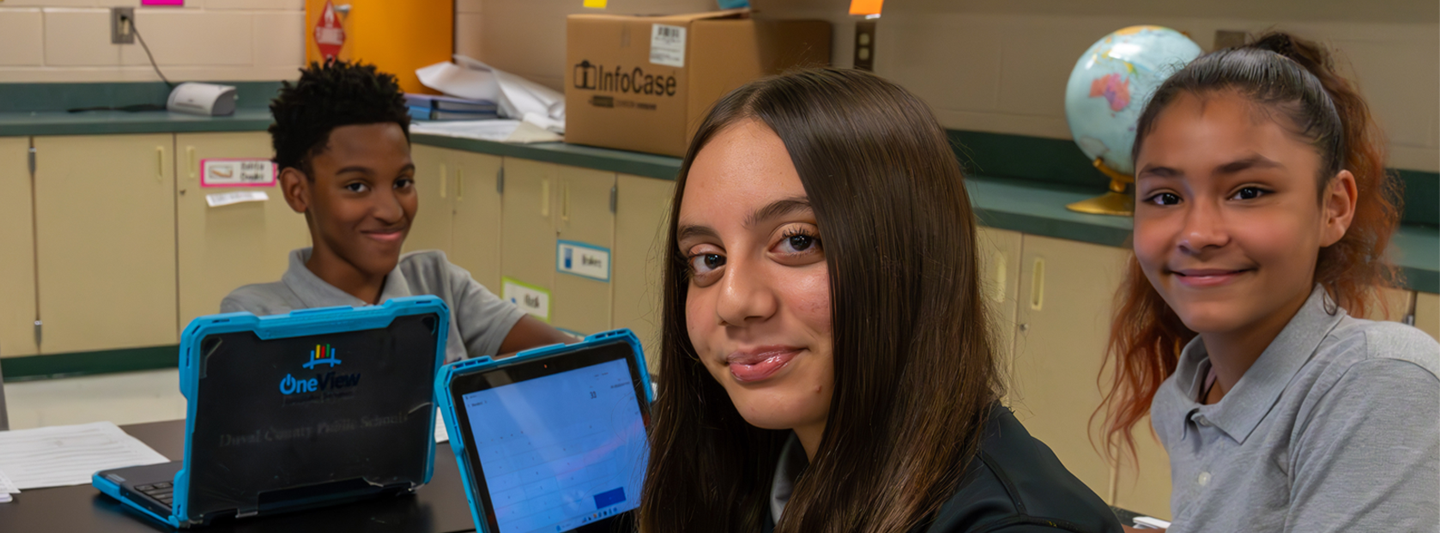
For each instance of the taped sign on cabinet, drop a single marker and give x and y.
(250, 172)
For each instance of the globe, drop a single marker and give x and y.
(1112, 82)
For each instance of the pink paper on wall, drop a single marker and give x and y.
(180, 3)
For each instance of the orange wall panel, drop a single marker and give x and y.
(397, 37)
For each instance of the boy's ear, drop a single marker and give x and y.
(1338, 207)
(296, 188)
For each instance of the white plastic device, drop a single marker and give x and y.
(202, 99)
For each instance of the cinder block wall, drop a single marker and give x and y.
(69, 41)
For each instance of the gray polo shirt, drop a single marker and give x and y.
(479, 320)
(1336, 427)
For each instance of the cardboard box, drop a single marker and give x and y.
(645, 83)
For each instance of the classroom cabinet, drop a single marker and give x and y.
(475, 222)
(545, 206)
(642, 210)
(224, 247)
(527, 246)
(17, 250)
(431, 228)
(459, 210)
(1427, 313)
(999, 262)
(105, 241)
(1062, 321)
(585, 226)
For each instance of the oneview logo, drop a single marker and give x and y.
(323, 354)
(597, 77)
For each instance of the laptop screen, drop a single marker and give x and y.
(560, 442)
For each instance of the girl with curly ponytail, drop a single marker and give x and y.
(1263, 212)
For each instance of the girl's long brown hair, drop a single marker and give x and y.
(1297, 80)
(915, 373)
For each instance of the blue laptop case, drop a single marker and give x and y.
(287, 412)
(495, 423)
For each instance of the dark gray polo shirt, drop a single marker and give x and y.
(1336, 427)
(479, 320)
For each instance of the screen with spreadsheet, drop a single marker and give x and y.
(559, 451)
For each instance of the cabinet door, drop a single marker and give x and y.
(642, 208)
(1000, 268)
(1427, 313)
(222, 248)
(1142, 484)
(1393, 305)
(105, 241)
(17, 250)
(1063, 317)
(527, 246)
(475, 238)
(586, 222)
(431, 228)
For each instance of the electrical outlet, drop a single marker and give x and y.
(122, 27)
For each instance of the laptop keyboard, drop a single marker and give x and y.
(160, 492)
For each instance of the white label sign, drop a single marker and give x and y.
(237, 197)
(667, 45)
(237, 172)
(528, 298)
(582, 260)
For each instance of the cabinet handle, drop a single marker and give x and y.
(459, 182)
(444, 183)
(545, 198)
(1037, 285)
(192, 167)
(159, 164)
(565, 203)
(998, 278)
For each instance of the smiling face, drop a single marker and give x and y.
(758, 304)
(360, 197)
(1229, 219)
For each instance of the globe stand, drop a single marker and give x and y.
(1116, 202)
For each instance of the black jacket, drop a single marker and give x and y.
(1017, 485)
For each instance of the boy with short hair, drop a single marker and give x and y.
(342, 142)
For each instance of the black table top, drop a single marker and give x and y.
(439, 506)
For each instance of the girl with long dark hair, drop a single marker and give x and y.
(1263, 212)
(825, 363)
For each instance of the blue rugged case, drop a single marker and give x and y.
(460, 368)
(296, 323)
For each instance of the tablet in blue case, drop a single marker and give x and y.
(287, 412)
(554, 438)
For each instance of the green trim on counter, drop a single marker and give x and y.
(639, 164)
(27, 97)
(1422, 189)
(69, 365)
(119, 122)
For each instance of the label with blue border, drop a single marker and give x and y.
(584, 260)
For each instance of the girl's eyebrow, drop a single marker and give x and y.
(1151, 171)
(692, 231)
(1253, 161)
(778, 208)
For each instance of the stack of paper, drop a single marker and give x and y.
(67, 455)
(7, 488)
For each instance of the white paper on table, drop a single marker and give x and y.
(440, 434)
(59, 456)
(513, 95)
